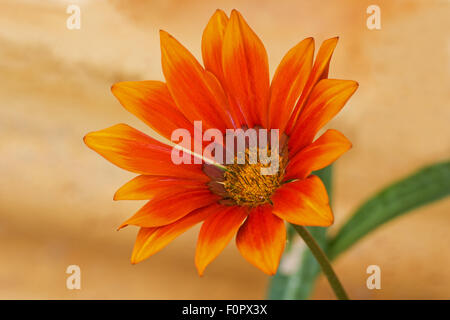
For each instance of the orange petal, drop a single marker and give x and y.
(196, 92)
(322, 152)
(288, 82)
(326, 100)
(163, 209)
(318, 72)
(212, 40)
(134, 151)
(246, 70)
(151, 102)
(146, 187)
(262, 238)
(216, 233)
(151, 240)
(304, 203)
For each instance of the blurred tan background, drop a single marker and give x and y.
(56, 205)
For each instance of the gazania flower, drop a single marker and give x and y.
(231, 90)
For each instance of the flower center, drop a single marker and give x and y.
(246, 185)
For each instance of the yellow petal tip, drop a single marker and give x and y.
(87, 139)
(200, 269)
(164, 34)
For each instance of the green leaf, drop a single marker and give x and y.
(300, 284)
(425, 186)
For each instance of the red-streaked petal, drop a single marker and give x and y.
(163, 209)
(322, 152)
(304, 203)
(216, 233)
(318, 72)
(151, 102)
(212, 40)
(288, 82)
(146, 187)
(197, 94)
(262, 238)
(151, 240)
(246, 70)
(326, 100)
(134, 151)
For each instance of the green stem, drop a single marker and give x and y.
(323, 261)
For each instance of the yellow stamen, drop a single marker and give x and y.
(245, 184)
